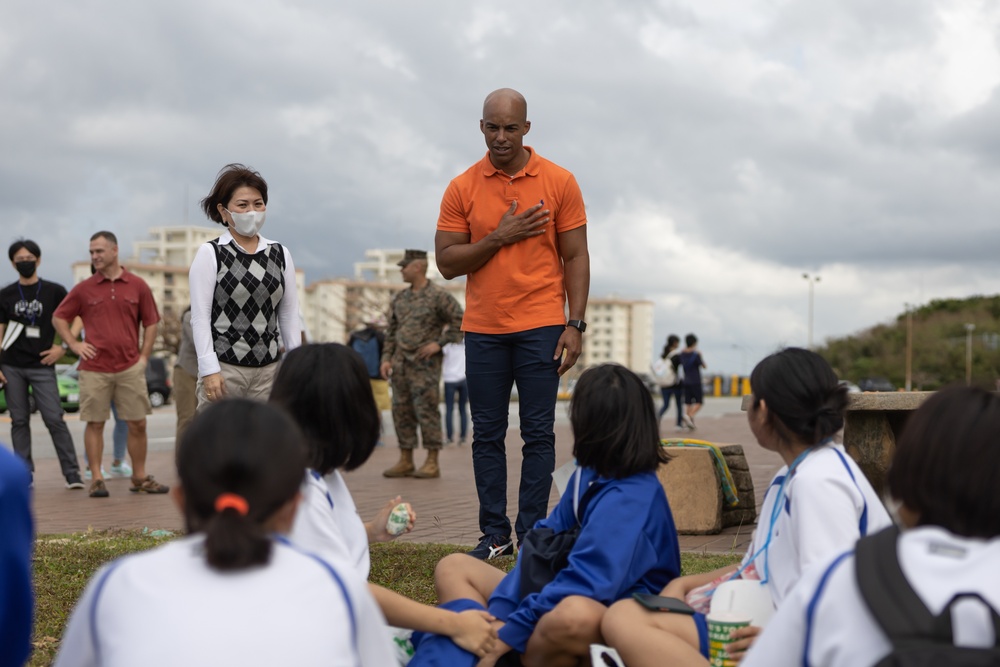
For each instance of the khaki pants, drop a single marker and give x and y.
(185, 399)
(242, 382)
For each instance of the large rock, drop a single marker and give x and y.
(693, 489)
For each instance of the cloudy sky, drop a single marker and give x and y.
(723, 148)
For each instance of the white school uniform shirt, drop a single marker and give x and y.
(453, 365)
(202, 282)
(826, 623)
(821, 516)
(327, 522)
(168, 607)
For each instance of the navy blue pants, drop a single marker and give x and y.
(677, 391)
(493, 364)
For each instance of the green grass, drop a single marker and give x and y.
(65, 563)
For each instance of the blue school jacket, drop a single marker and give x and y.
(627, 543)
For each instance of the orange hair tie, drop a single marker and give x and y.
(227, 501)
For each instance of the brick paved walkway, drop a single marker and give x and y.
(447, 508)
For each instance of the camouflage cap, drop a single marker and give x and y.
(412, 255)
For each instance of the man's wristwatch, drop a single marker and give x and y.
(577, 324)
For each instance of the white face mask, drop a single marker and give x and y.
(247, 224)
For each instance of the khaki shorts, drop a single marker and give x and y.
(380, 388)
(126, 388)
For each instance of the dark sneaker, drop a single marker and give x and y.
(74, 482)
(98, 490)
(493, 546)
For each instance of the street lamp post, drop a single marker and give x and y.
(812, 280)
(969, 328)
(909, 347)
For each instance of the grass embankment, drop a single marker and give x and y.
(64, 565)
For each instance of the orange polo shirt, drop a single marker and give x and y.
(521, 287)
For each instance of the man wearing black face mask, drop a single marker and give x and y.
(28, 358)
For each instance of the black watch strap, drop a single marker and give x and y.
(577, 324)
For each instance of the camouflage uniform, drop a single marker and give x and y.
(419, 317)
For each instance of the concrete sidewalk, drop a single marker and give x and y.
(447, 508)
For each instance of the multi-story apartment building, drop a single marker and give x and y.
(619, 330)
(380, 266)
(335, 307)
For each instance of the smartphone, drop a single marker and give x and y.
(660, 603)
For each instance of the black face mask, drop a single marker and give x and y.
(26, 269)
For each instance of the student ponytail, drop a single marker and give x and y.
(239, 462)
(802, 394)
(233, 541)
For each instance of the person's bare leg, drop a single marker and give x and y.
(646, 638)
(459, 576)
(563, 636)
(93, 443)
(137, 447)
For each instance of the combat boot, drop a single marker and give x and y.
(430, 467)
(405, 466)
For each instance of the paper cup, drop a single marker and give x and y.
(744, 596)
(720, 628)
(399, 519)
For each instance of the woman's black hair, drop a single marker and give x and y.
(803, 396)
(231, 178)
(672, 342)
(946, 462)
(249, 449)
(614, 423)
(325, 387)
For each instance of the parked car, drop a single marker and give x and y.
(69, 394)
(851, 387)
(875, 384)
(157, 380)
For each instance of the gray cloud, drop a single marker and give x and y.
(821, 136)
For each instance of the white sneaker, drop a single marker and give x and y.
(123, 469)
(87, 474)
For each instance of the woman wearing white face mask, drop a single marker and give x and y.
(242, 293)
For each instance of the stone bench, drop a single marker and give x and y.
(694, 490)
(873, 422)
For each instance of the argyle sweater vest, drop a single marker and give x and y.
(248, 289)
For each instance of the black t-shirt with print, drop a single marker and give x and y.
(32, 306)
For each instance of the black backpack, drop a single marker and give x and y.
(919, 638)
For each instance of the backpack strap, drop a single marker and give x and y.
(899, 611)
(943, 621)
(897, 608)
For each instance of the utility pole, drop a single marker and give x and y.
(812, 280)
(969, 328)
(909, 347)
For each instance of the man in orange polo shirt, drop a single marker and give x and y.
(515, 224)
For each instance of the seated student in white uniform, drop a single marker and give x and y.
(817, 505)
(326, 389)
(943, 475)
(233, 592)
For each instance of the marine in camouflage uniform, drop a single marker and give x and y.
(424, 319)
